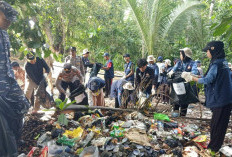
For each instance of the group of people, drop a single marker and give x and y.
(151, 78)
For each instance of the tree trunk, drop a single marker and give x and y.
(211, 9)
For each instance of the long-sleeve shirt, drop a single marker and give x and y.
(211, 75)
(190, 66)
(148, 74)
(35, 71)
(117, 90)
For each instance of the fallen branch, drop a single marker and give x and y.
(73, 108)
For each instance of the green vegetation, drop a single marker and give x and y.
(137, 27)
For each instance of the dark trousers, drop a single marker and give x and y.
(218, 126)
(183, 109)
(66, 85)
(108, 86)
(116, 103)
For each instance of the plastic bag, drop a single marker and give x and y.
(159, 116)
(66, 141)
(76, 133)
(91, 151)
(117, 132)
(181, 96)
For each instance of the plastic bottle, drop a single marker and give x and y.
(160, 126)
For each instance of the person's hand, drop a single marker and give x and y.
(124, 77)
(45, 75)
(187, 76)
(67, 94)
(170, 74)
(153, 91)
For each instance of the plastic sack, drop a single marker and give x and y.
(178, 94)
(159, 116)
(91, 151)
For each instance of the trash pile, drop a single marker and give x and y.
(117, 134)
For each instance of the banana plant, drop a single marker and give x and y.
(62, 105)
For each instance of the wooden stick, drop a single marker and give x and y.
(73, 108)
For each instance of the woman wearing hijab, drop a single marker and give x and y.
(218, 93)
(185, 64)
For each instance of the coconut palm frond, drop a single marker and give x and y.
(178, 12)
(141, 19)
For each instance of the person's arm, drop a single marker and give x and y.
(131, 72)
(209, 78)
(194, 69)
(45, 66)
(58, 84)
(82, 67)
(137, 78)
(78, 74)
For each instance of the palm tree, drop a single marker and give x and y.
(156, 18)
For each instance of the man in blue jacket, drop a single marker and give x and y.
(128, 69)
(109, 73)
(218, 93)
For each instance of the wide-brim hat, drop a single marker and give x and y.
(128, 86)
(168, 62)
(187, 51)
(85, 51)
(94, 86)
(150, 58)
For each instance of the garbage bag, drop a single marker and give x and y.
(79, 94)
(181, 91)
(96, 68)
(45, 99)
(10, 129)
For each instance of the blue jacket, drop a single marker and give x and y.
(164, 75)
(109, 73)
(190, 66)
(218, 84)
(127, 69)
(117, 89)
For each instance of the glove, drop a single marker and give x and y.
(45, 75)
(170, 74)
(187, 76)
(67, 94)
(153, 91)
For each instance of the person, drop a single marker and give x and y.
(164, 87)
(200, 71)
(118, 87)
(160, 64)
(218, 91)
(95, 86)
(144, 77)
(128, 69)
(70, 77)
(109, 73)
(19, 74)
(85, 60)
(153, 65)
(75, 60)
(188, 65)
(13, 103)
(34, 75)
